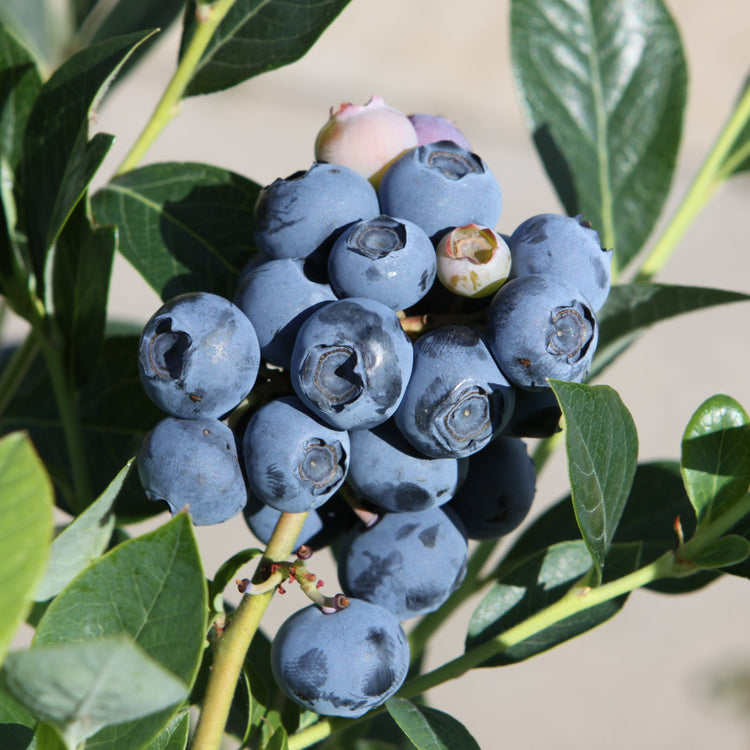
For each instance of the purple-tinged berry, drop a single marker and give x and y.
(433, 128)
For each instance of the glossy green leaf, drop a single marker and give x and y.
(115, 415)
(82, 268)
(602, 448)
(98, 20)
(538, 581)
(140, 589)
(48, 737)
(35, 24)
(25, 530)
(631, 308)
(278, 741)
(19, 85)
(174, 736)
(184, 227)
(657, 498)
(429, 729)
(257, 36)
(603, 88)
(724, 551)
(59, 160)
(716, 457)
(82, 541)
(81, 687)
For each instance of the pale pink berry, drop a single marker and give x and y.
(365, 138)
(472, 261)
(434, 128)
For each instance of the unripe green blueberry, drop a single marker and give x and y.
(366, 138)
(472, 261)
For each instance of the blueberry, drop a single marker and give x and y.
(499, 489)
(390, 260)
(340, 664)
(296, 215)
(198, 356)
(457, 398)
(539, 327)
(440, 186)
(387, 471)
(472, 261)
(409, 563)
(293, 462)
(563, 246)
(193, 464)
(366, 138)
(432, 128)
(536, 414)
(277, 296)
(351, 362)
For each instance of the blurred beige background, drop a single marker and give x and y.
(646, 678)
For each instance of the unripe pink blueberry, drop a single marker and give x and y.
(472, 261)
(433, 128)
(366, 138)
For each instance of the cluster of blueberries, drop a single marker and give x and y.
(417, 343)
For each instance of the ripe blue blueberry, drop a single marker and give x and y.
(294, 216)
(440, 186)
(351, 362)
(198, 356)
(457, 398)
(293, 461)
(539, 327)
(390, 260)
(536, 414)
(193, 464)
(340, 664)
(387, 471)
(499, 489)
(409, 563)
(563, 246)
(277, 296)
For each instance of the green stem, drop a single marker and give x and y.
(716, 168)
(232, 645)
(208, 17)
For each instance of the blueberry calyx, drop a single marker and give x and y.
(453, 164)
(569, 333)
(167, 350)
(377, 238)
(332, 371)
(321, 465)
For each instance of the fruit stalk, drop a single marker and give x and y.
(232, 645)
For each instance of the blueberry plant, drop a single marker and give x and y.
(358, 360)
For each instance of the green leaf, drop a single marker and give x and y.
(429, 729)
(101, 19)
(37, 24)
(716, 457)
(25, 530)
(254, 37)
(115, 414)
(152, 589)
(82, 687)
(59, 161)
(603, 87)
(16, 725)
(278, 741)
(631, 308)
(20, 82)
(724, 551)
(657, 498)
(48, 737)
(184, 227)
(174, 736)
(82, 541)
(80, 285)
(536, 582)
(602, 448)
